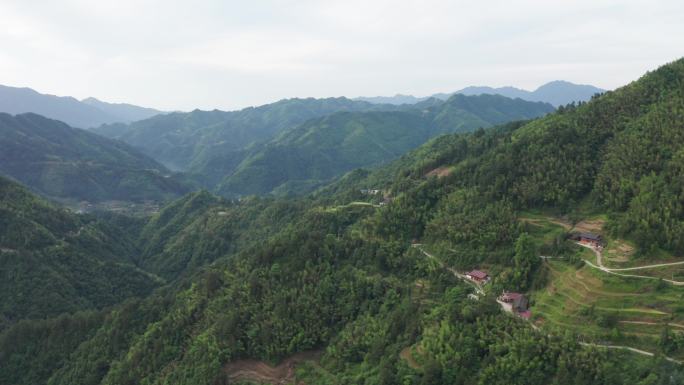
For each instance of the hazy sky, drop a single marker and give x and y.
(228, 54)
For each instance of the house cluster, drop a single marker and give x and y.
(589, 239)
(515, 303)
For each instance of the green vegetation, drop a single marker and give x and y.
(263, 279)
(58, 161)
(625, 311)
(313, 153)
(213, 143)
(52, 261)
(296, 145)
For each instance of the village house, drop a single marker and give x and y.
(515, 303)
(477, 276)
(590, 239)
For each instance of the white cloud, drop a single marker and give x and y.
(228, 54)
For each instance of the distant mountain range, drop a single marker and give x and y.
(63, 162)
(557, 93)
(86, 113)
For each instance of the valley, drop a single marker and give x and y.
(475, 240)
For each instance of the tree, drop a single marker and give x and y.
(526, 260)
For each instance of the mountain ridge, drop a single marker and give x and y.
(321, 149)
(556, 92)
(87, 113)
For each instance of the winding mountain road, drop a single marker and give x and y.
(631, 349)
(453, 271)
(600, 266)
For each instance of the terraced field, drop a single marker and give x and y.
(610, 308)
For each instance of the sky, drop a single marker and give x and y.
(224, 54)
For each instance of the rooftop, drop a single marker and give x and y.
(477, 274)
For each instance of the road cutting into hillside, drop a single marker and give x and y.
(599, 265)
(456, 274)
(652, 323)
(631, 349)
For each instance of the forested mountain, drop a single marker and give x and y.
(367, 292)
(52, 261)
(69, 163)
(212, 143)
(621, 152)
(558, 93)
(83, 114)
(321, 149)
(294, 142)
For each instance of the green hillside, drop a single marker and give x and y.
(334, 288)
(321, 149)
(69, 163)
(212, 143)
(200, 228)
(52, 261)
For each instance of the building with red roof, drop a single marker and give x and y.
(477, 276)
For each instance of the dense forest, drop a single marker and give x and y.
(296, 145)
(62, 162)
(312, 154)
(350, 277)
(212, 143)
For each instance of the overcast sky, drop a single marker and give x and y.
(181, 55)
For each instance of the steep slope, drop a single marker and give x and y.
(200, 228)
(615, 162)
(82, 114)
(324, 148)
(69, 163)
(212, 143)
(52, 261)
(321, 149)
(620, 152)
(326, 280)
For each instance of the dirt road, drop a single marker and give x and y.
(456, 274)
(599, 265)
(635, 350)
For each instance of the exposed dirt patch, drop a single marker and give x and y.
(439, 172)
(262, 372)
(407, 355)
(590, 226)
